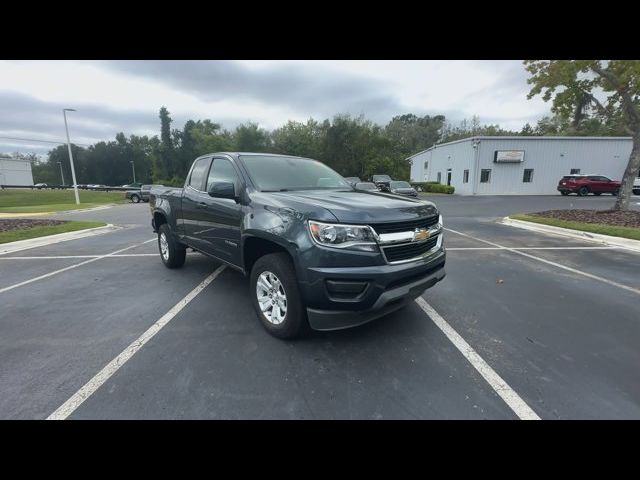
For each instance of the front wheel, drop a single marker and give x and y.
(564, 194)
(276, 297)
(615, 192)
(584, 191)
(172, 252)
(135, 198)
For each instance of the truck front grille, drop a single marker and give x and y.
(409, 226)
(408, 251)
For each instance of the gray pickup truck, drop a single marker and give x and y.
(318, 252)
(142, 195)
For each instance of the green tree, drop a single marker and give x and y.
(166, 155)
(609, 88)
(249, 137)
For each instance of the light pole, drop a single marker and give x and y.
(61, 172)
(73, 170)
(133, 167)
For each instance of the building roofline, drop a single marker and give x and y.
(516, 137)
(15, 159)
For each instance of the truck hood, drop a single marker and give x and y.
(361, 207)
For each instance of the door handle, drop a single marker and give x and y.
(201, 205)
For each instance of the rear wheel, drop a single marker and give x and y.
(276, 297)
(172, 252)
(615, 192)
(583, 191)
(135, 198)
(598, 193)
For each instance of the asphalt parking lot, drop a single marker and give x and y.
(562, 344)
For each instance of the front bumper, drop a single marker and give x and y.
(386, 289)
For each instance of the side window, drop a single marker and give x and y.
(485, 175)
(221, 171)
(465, 176)
(198, 173)
(527, 177)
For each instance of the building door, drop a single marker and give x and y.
(448, 176)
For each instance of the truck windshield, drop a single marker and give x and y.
(272, 173)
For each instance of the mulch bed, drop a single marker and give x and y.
(607, 217)
(9, 224)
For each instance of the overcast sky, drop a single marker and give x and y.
(114, 96)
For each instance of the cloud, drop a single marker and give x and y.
(307, 91)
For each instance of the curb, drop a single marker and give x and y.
(61, 212)
(625, 243)
(12, 247)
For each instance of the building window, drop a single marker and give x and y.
(426, 165)
(485, 175)
(465, 176)
(528, 175)
(439, 177)
(575, 171)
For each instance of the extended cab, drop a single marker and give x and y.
(318, 252)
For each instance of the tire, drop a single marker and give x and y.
(172, 252)
(584, 191)
(615, 193)
(278, 271)
(598, 193)
(564, 194)
(135, 198)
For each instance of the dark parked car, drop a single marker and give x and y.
(353, 180)
(366, 186)
(382, 182)
(140, 195)
(586, 184)
(317, 252)
(402, 188)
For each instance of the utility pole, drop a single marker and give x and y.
(133, 167)
(73, 170)
(61, 172)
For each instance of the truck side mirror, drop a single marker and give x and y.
(223, 190)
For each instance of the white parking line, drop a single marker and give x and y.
(68, 407)
(549, 262)
(58, 257)
(529, 248)
(508, 394)
(76, 265)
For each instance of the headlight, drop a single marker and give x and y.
(440, 221)
(351, 237)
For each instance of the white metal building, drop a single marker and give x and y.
(15, 171)
(519, 165)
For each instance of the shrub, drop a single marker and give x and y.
(173, 182)
(433, 187)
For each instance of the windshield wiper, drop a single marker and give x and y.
(280, 190)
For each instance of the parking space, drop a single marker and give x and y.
(564, 342)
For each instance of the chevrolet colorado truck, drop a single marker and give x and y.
(318, 252)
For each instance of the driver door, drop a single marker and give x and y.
(221, 218)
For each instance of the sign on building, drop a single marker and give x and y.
(508, 156)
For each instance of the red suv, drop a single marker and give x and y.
(586, 184)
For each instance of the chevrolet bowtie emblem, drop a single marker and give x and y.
(420, 234)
